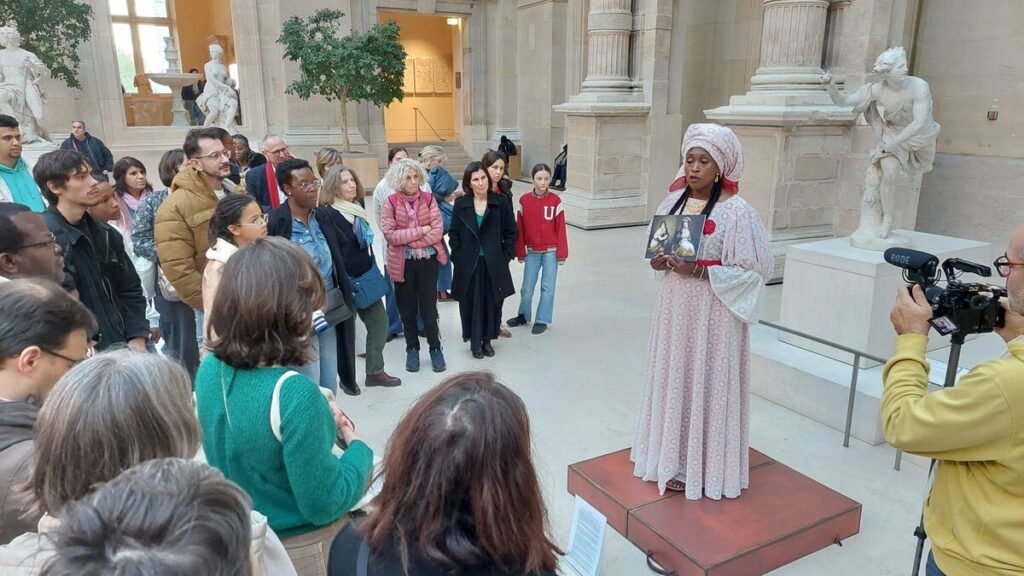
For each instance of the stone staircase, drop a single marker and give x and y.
(457, 157)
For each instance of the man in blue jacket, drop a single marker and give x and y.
(94, 150)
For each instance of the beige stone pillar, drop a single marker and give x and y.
(609, 25)
(792, 40)
(608, 124)
(794, 136)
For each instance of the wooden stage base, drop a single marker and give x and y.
(783, 516)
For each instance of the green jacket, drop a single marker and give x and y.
(297, 483)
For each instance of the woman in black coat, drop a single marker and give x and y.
(483, 241)
(295, 177)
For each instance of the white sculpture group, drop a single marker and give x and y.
(20, 94)
(899, 110)
(219, 100)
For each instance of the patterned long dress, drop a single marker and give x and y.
(695, 415)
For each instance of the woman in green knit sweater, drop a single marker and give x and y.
(263, 326)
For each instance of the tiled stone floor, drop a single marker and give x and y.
(582, 379)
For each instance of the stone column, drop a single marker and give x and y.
(608, 125)
(792, 40)
(794, 136)
(609, 26)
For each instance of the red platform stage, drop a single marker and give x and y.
(782, 517)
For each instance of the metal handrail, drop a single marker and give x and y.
(857, 355)
(416, 124)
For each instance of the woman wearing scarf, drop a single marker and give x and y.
(344, 194)
(692, 432)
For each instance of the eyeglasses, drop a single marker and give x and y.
(278, 152)
(88, 354)
(1003, 264)
(310, 186)
(262, 221)
(51, 243)
(225, 153)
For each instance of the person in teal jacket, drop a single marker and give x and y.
(284, 456)
(16, 182)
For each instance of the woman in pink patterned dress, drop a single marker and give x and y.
(692, 433)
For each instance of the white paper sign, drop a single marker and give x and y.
(586, 539)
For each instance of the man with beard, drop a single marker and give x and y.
(182, 223)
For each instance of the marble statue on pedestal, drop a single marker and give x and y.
(899, 110)
(219, 100)
(20, 74)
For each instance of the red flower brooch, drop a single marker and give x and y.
(709, 227)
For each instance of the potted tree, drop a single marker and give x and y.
(367, 67)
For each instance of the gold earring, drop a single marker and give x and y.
(717, 175)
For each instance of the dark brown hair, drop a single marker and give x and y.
(168, 167)
(467, 176)
(459, 481)
(57, 168)
(121, 172)
(492, 156)
(263, 314)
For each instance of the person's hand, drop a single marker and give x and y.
(681, 266)
(659, 263)
(425, 229)
(345, 426)
(520, 260)
(911, 313)
(137, 344)
(1014, 325)
(154, 335)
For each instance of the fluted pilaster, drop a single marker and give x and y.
(609, 25)
(792, 42)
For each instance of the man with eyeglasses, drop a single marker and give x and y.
(975, 430)
(43, 333)
(183, 220)
(16, 184)
(27, 248)
(261, 182)
(96, 264)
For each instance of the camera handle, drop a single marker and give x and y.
(957, 341)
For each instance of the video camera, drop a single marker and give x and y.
(962, 308)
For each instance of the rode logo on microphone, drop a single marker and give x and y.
(899, 259)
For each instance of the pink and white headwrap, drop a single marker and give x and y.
(722, 145)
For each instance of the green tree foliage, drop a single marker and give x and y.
(359, 67)
(52, 29)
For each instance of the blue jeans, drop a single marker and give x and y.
(199, 328)
(535, 263)
(931, 568)
(444, 273)
(323, 369)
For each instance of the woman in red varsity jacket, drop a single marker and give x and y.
(542, 244)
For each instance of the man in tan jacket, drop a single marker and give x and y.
(182, 223)
(43, 333)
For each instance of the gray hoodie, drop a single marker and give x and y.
(17, 512)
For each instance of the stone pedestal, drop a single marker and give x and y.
(608, 127)
(844, 294)
(605, 165)
(792, 180)
(793, 136)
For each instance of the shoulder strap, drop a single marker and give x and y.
(363, 558)
(393, 201)
(275, 404)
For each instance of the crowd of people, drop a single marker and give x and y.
(169, 361)
(172, 354)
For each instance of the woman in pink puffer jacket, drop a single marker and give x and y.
(411, 222)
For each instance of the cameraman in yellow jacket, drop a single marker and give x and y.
(974, 515)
